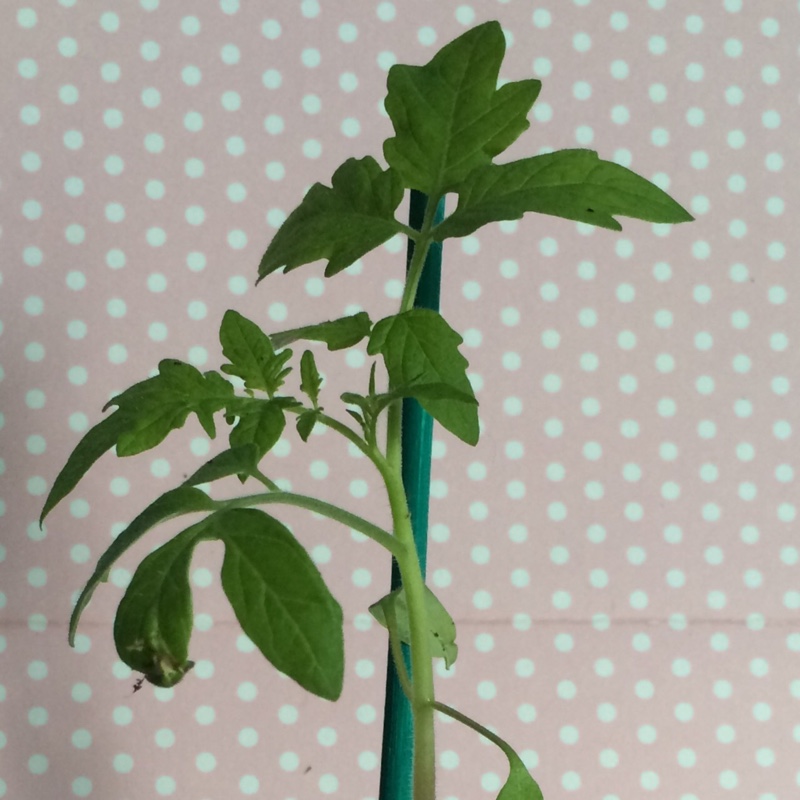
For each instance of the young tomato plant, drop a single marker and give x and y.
(451, 119)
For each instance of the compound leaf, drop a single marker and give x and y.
(158, 405)
(339, 223)
(183, 500)
(281, 600)
(574, 184)
(449, 116)
(337, 334)
(251, 354)
(420, 348)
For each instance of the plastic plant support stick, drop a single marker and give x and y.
(397, 755)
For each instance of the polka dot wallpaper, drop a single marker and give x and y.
(619, 552)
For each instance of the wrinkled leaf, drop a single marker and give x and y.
(418, 348)
(235, 461)
(574, 184)
(251, 355)
(161, 404)
(97, 441)
(310, 379)
(154, 619)
(449, 116)
(441, 626)
(339, 223)
(281, 600)
(183, 500)
(338, 334)
(261, 423)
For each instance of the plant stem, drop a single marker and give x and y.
(422, 697)
(382, 537)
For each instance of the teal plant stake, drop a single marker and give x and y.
(397, 753)
(451, 118)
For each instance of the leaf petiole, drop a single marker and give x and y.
(347, 518)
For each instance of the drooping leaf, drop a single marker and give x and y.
(449, 116)
(251, 354)
(154, 619)
(338, 334)
(442, 629)
(310, 379)
(95, 442)
(339, 223)
(418, 348)
(281, 600)
(161, 404)
(574, 184)
(183, 500)
(261, 422)
(240, 460)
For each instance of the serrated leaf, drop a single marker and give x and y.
(449, 116)
(281, 600)
(183, 500)
(442, 629)
(97, 441)
(338, 334)
(520, 785)
(251, 355)
(339, 223)
(310, 379)
(240, 460)
(418, 348)
(261, 422)
(161, 404)
(574, 184)
(306, 422)
(154, 619)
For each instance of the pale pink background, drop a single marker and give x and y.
(630, 622)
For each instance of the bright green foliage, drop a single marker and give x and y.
(574, 184)
(161, 404)
(276, 592)
(338, 334)
(281, 600)
(451, 119)
(441, 627)
(449, 116)
(260, 422)
(419, 347)
(97, 441)
(250, 352)
(340, 223)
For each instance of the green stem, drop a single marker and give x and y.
(422, 243)
(422, 691)
(329, 510)
(397, 651)
(261, 477)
